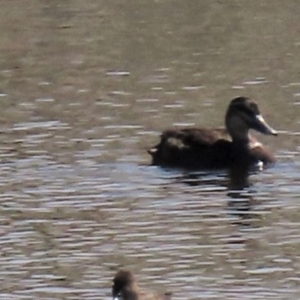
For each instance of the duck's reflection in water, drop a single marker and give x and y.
(240, 192)
(241, 199)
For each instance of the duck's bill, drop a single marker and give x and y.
(263, 127)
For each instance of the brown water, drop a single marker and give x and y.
(85, 89)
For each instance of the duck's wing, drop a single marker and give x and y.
(188, 138)
(192, 148)
(194, 137)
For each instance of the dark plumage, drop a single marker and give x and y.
(125, 288)
(204, 148)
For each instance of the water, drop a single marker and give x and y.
(85, 89)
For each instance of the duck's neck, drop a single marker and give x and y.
(241, 163)
(240, 149)
(237, 128)
(240, 140)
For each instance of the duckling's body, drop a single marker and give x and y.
(125, 288)
(204, 148)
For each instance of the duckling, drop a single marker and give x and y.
(205, 148)
(125, 288)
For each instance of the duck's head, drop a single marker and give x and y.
(123, 283)
(243, 114)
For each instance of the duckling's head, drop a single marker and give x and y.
(243, 114)
(123, 285)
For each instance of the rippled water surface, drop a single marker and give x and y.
(86, 87)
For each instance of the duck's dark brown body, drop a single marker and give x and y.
(204, 148)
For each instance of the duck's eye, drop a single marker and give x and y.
(253, 107)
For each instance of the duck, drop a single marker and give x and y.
(217, 148)
(125, 288)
